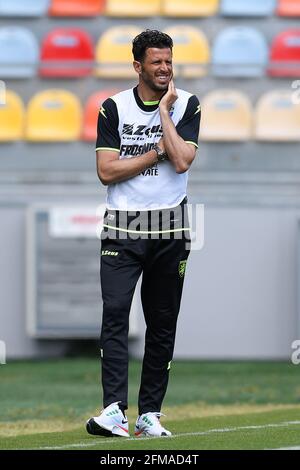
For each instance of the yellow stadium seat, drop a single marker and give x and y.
(12, 117)
(190, 8)
(132, 8)
(277, 117)
(53, 116)
(114, 53)
(191, 52)
(226, 116)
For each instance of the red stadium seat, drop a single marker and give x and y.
(67, 52)
(285, 54)
(288, 8)
(91, 112)
(76, 7)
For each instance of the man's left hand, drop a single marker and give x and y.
(169, 98)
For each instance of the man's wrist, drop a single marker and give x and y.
(164, 110)
(161, 154)
(154, 158)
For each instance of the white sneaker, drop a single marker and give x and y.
(148, 424)
(111, 422)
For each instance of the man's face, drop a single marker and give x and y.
(156, 68)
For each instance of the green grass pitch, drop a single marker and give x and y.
(209, 405)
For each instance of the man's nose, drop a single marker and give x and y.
(164, 67)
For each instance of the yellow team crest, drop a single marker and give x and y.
(181, 267)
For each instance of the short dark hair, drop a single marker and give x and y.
(149, 38)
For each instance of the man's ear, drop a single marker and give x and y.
(137, 66)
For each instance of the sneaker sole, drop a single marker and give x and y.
(144, 434)
(95, 430)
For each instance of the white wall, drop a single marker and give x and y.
(240, 293)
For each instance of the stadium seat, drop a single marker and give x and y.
(19, 52)
(131, 8)
(247, 8)
(11, 118)
(285, 54)
(91, 113)
(24, 8)
(288, 8)
(239, 51)
(67, 52)
(113, 52)
(191, 51)
(2, 92)
(53, 116)
(76, 7)
(189, 8)
(226, 116)
(277, 117)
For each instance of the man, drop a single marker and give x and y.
(147, 140)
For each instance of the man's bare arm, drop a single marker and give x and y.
(180, 153)
(112, 169)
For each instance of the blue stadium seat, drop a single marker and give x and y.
(19, 52)
(247, 7)
(239, 51)
(24, 7)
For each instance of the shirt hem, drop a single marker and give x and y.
(147, 209)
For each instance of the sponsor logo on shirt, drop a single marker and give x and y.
(141, 130)
(133, 150)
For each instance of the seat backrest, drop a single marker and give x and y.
(24, 8)
(19, 52)
(191, 50)
(114, 52)
(239, 51)
(76, 7)
(247, 8)
(226, 116)
(67, 52)
(277, 117)
(190, 8)
(190, 44)
(132, 8)
(285, 50)
(91, 113)
(12, 117)
(52, 116)
(288, 8)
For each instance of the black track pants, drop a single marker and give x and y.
(162, 263)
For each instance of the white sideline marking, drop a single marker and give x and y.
(288, 448)
(100, 441)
